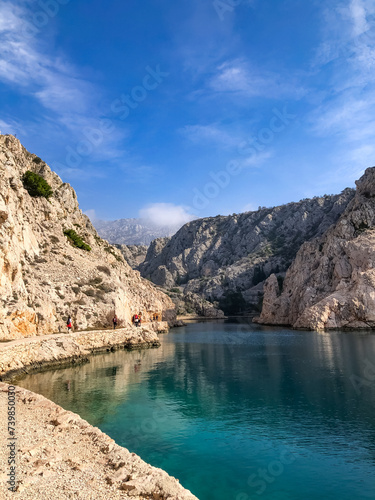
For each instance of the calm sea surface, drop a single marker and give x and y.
(237, 411)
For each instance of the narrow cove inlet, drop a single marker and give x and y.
(237, 411)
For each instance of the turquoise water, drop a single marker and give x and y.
(238, 411)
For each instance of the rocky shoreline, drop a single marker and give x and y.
(23, 356)
(56, 450)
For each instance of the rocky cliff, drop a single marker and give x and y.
(133, 254)
(227, 259)
(46, 275)
(331, 283)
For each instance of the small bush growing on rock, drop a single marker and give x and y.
(36, 186)
(76, 240)
(104, 269)
(100, 294)
(37, 160)
(175, 290)
(112, 252)
(40, 260)
(90, 292)
(95, 281)
(105, 288)
(54, 238)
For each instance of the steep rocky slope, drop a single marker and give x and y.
(227, 259)
(44, 277)
(331, 283)
(133, 254)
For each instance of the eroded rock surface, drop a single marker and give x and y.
(227, 259)
(331, 283)
(43, 278)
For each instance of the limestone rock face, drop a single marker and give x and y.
(227, 259)
(133, 254)
(331, 283)
(43, 278)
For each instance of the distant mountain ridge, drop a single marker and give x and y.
(132, 231)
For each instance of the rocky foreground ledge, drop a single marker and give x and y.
(60, 456)
(23, 356)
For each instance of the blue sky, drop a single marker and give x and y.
(192, 108)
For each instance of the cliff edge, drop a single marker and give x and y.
(331, 282)
(53, 263)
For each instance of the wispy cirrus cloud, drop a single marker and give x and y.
(240, 77)
(347, 109)
(67, 100)
(28, 67)
(206, 134)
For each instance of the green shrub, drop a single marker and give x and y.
(111, 251)
(36, 185)
(175, 290)
(76, 240)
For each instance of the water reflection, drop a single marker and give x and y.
(217, 401)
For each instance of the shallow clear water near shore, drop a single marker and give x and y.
(237, 411)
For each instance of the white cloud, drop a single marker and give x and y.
(10, 127)
(166, 214)
(358, 14)
(26, 64)
(239, 77)
(209, 134)
(249, 207)
(91, 214)
(256, 160)
(346, 113)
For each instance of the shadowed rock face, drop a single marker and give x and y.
(227, 259)
(43, 277)
(331, 283)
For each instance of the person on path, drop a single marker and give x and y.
(135, 319)
(114, 321)
(69, 324)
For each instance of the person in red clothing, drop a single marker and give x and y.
(69, 324)
(114, 321)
